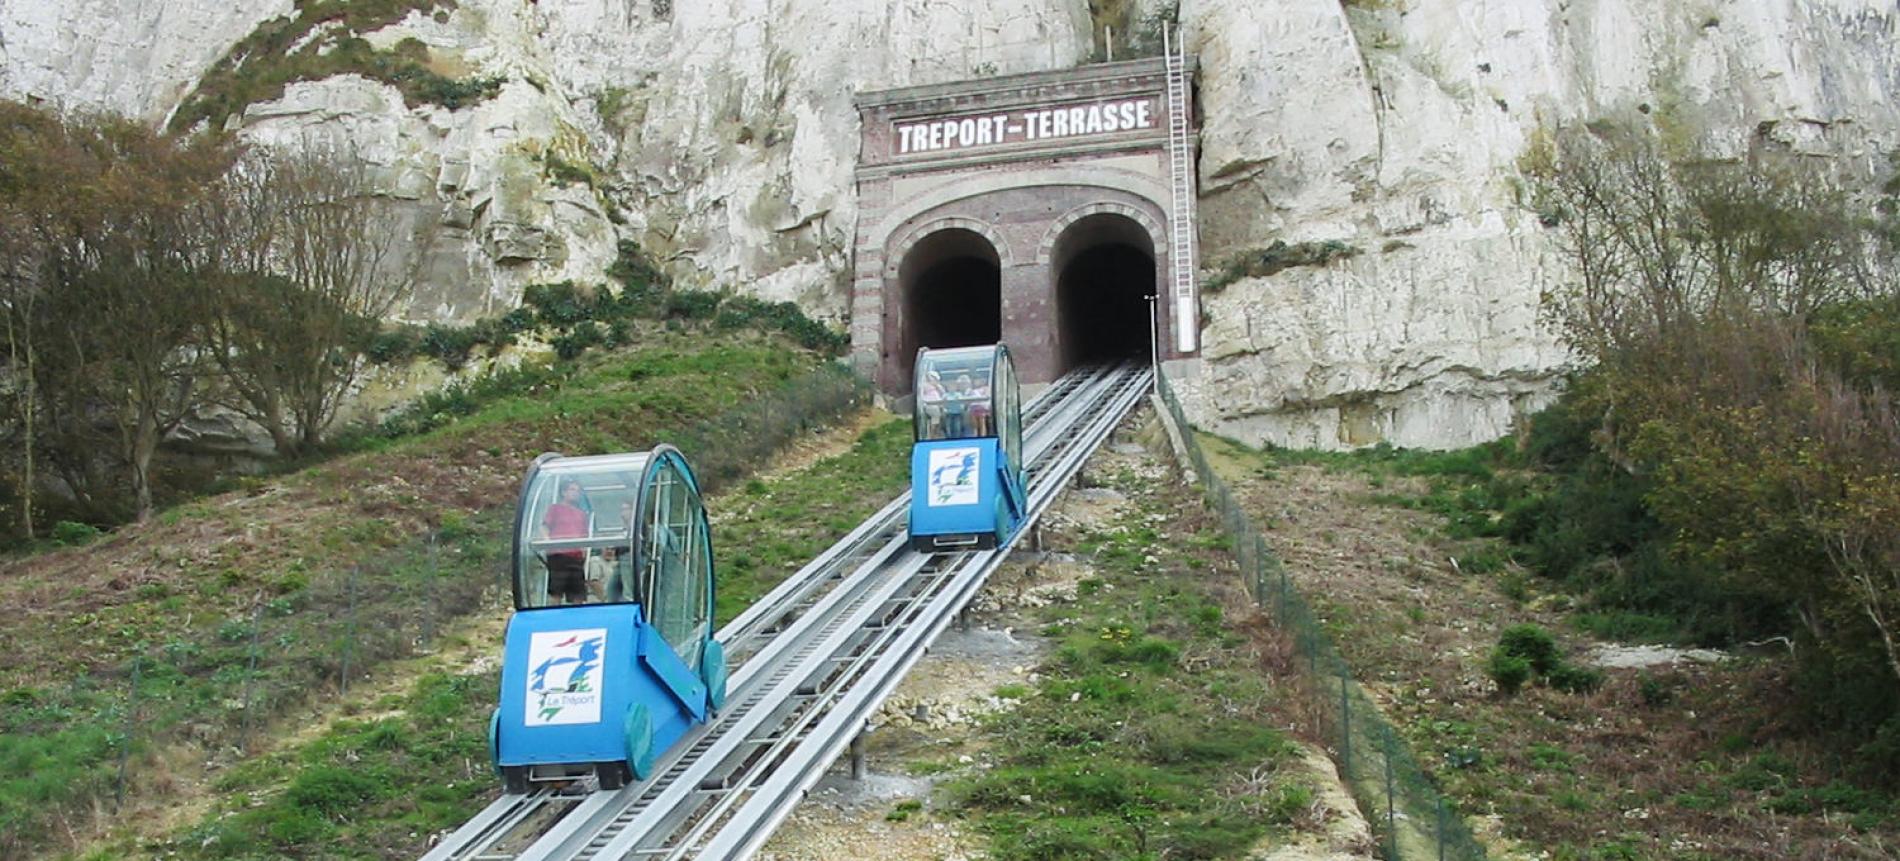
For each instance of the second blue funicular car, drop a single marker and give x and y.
(609, 658)
(966, 466)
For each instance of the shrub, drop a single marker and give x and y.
(559, 305)
(1260, 263)
(1535, 645)
(1574, 679)
(68, 533)
(1508, 670)
(392, 345)
(577, 341)
(330, 790)
(691, 304)
(449, 344)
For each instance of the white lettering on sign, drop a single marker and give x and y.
(1034, 124)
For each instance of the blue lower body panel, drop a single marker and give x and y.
(962, 496)
(570, 678)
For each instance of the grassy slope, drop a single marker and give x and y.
(235, 609)
(767, 528)
(1681, 761)
(409, 759)
(1149, 733)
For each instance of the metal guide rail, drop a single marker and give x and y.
(820, 653)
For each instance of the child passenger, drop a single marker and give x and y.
(600, 569)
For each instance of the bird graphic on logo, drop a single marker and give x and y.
(965, 475)
(584, 660)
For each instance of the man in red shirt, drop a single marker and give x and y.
(567, 569)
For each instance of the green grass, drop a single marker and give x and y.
(368, 788)
(249, 602)
(263, 63)
(1119, 750)
(763, 531)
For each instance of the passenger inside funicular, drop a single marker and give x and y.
(576, 554)
(953, 394)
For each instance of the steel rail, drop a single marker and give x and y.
(772, 611)
(794, 628)
(787, 783)
(793, 704)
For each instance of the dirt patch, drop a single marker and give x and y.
(830, 441)
(1627, 657)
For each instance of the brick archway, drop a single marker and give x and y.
(1018, 162)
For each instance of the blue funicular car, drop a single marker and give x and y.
(966, 466)
(609, 657)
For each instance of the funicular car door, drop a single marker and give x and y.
(676, 558)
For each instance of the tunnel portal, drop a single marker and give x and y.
(1105, 277)
(1035, 210)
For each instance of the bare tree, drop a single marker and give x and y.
(306, 264)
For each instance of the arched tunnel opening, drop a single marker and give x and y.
(1105, 272)
(952, 284)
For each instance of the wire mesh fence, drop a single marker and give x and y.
(1410, 817)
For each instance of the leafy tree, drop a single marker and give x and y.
(1736, 315)
(102, 290)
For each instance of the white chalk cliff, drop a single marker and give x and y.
(725, 137)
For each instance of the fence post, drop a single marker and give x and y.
(1345, 725)
(428, 596)
(1260, 557)
(1391, 817)
(250, 674)
(349, 638)
(125, 743)
(1441, 828)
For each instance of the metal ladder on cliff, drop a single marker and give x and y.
(1186, 321)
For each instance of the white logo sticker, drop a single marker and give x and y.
(564, 676)
(953, 474)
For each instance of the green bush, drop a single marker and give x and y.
(451, 345)
(1508, 670)
(1574, 679)
(1534, 644)
(578, 340)
(330, 790)
(68, 533)
(392, 345)
(691, 304)
(559, 305)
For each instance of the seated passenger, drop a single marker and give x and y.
(980, 409)
(601, 570)
(620, 572)
(957, 413)
(930, 400)
(567, 578)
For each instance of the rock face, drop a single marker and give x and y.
(1395, 128)
(721, 137)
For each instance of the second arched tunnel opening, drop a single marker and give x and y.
(1105, 273)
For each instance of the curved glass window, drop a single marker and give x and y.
(1009, 411)
(678, 561)
(574, 526)
(623, 528)
(955, 393)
